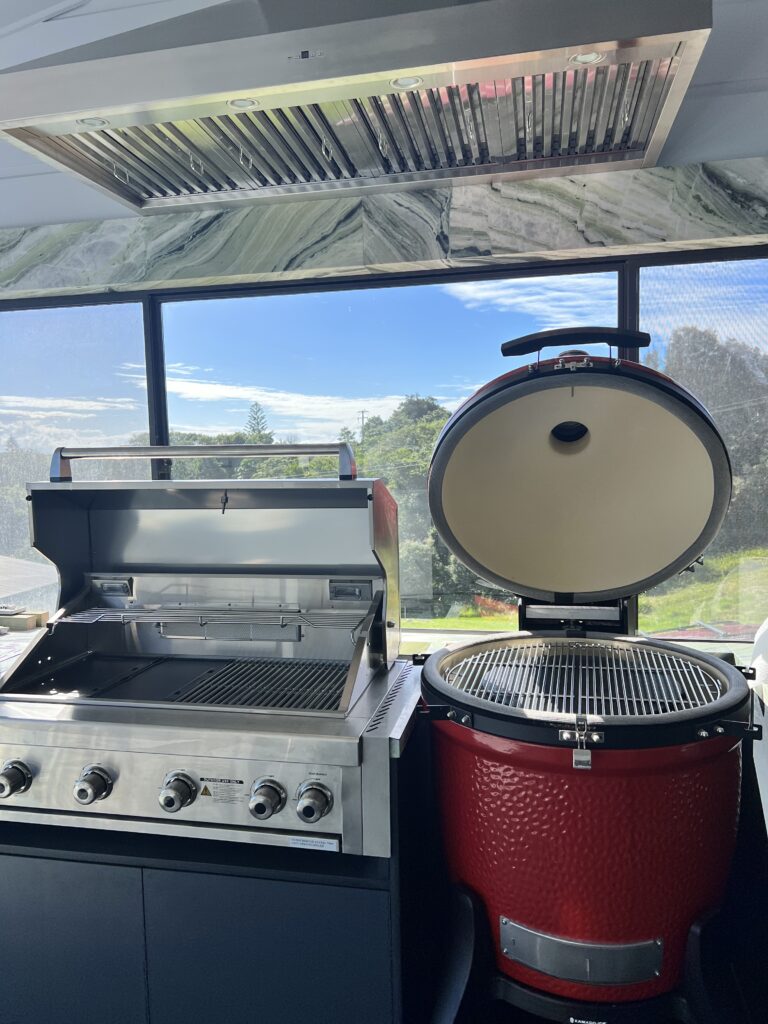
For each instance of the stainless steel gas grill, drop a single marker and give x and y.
(224, 660)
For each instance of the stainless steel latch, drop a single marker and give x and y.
(582, 734)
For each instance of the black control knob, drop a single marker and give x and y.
(178, 791)
(315, 801)
(14, 778)
(267, 798)
(95, 783)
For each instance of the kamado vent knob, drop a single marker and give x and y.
(14, 778)
(94, 784)
(267, 798)
(315, 801)
(178, 791)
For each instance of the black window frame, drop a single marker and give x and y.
(152, 301)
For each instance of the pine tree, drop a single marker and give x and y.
(256, 426)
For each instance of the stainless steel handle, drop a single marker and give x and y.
(61, 468)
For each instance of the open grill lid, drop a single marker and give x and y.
(580, 479)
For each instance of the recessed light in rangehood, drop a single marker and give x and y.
(476, 91)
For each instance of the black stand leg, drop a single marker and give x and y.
(459, 959)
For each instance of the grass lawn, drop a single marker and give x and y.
(727, 588)
(732, 588)
(470, 623)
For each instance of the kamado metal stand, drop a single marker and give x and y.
(588, 779)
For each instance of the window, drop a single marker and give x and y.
(380, 368)
(709, 324)
(70, 376)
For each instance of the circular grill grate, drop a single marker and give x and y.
(583, 677)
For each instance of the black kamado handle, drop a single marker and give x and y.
(616, 337)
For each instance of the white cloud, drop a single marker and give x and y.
(27, 414)
(41, 423)
(45, 436)
(728, 299)
(307, 417)
(567, 300)
(63, 407)
(184, 368)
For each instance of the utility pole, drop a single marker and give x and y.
(362, 423)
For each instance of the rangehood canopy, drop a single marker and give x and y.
(470, 92)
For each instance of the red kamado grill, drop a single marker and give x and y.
(589, 780)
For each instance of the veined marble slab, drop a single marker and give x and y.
(512, 223)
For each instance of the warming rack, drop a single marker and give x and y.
(206, 616)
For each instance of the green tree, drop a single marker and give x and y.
(256, 427)
(731, 380)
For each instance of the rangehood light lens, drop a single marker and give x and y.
(593, 57)
(244, 103)
(406, 83)
(93, 122)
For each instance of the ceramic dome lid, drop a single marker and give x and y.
(580, 478)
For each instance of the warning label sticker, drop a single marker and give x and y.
(313, 843)
(223, 791)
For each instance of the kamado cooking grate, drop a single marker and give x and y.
(291, 684)
(585, 678)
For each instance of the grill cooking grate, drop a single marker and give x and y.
(290, 684)
(585, 678)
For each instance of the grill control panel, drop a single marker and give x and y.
(301, 799)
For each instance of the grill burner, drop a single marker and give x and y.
(295, 684)
(588, 677)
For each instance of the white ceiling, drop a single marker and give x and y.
(724, 114)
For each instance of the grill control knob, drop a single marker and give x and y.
(178, 791)
(94, 784)
(315, 801)
(267, 798)
(14, 778)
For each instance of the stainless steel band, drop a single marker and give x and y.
(589, 962)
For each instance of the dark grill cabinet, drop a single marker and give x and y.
(107, 928)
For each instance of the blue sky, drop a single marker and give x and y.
(314, 361)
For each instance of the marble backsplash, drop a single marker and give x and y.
(514, 222)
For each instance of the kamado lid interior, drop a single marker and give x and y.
(580, 478)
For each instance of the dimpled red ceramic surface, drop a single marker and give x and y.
(635, 849)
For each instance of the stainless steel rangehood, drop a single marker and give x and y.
(472, 91)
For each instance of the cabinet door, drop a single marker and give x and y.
(71, 943)
(257, 951)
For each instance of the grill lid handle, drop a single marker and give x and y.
(61, 467)
(616, 337)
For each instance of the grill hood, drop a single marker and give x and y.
(469, 92)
